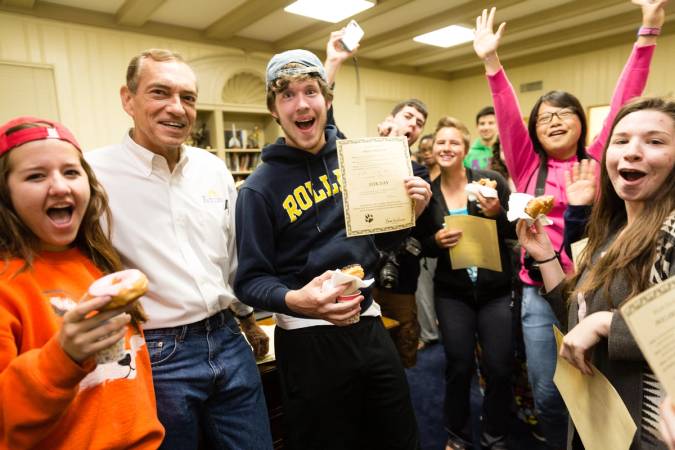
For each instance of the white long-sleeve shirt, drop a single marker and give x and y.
(177, 227)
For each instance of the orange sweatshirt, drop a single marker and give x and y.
(49, 401)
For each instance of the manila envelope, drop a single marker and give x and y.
(599, 415)
(478, 245)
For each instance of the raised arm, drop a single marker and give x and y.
(519, 153)
(634, 75)
(336, 55)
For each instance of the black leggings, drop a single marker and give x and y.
(459, 321)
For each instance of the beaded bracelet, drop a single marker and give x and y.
(649, 31)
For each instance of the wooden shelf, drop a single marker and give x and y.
(242, 150)
(215, 123)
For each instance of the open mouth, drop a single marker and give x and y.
(305, 124)
(631, 174)
(60, 215)
(557, 133)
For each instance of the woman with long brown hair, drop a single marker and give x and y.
(54, 392)
(631, 237)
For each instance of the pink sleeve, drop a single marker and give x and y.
(36, 388)
(631, 84)
(521, 160)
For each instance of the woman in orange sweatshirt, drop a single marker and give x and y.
(53, 394)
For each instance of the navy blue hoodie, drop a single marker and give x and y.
(290, 226)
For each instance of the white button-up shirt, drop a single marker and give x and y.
(177, 227)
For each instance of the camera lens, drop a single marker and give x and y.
(389, 275)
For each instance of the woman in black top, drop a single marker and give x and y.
(471, 301)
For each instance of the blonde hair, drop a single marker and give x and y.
(451, 122)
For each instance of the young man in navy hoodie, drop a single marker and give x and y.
(343, 386)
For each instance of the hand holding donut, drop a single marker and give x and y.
(82, 334)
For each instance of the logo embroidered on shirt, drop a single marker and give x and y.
(213, 197)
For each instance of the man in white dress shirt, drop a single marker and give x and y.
(173, 218)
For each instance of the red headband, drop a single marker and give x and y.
(53, 130)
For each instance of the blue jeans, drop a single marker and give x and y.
(208, 386)
(540, 349)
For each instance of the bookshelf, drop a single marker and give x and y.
(236, 134)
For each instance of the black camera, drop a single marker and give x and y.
(388, 275)
(532, 267)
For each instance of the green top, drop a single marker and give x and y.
(479, 156)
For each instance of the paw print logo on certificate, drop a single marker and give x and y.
(369, 218)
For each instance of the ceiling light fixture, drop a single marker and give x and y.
(446, 37)
(328, 11)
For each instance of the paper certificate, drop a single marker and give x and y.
(478, 246)
(374, 196)
(599, 415)
(651, 319)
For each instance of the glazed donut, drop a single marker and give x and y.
(124, 287)
(539, 205)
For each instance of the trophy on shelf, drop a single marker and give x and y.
(232, 139)
(255, 138)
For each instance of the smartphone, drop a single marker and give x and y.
(353, 34)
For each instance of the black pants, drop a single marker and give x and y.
(459, 322)
(343, 388)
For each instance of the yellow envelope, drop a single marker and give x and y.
(599, 415)
(651, 319)
(478, 246)
(578, 247)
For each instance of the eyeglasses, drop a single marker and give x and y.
(562, 114)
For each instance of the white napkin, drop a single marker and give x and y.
(472, 190)
(517, 203)
(337, 278)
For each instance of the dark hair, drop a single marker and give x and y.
(425, 137)
(487, 111)
(560, 99)
(632, 255)
(415, 103)
(497, 163)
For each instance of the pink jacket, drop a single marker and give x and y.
(521, 158)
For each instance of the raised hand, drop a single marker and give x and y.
(83, 334)
(335, 55)
(485, 41)
(580, 183)
(653, 12)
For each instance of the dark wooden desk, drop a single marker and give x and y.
(270, 381)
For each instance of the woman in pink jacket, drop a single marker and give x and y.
(537, 158)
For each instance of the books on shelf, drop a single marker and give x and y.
(242, 162)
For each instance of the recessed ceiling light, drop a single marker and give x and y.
(328, 11)
(446, 37)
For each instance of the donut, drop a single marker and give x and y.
(539, 205)
(487, 182)
(354, 270)
(123, 287)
